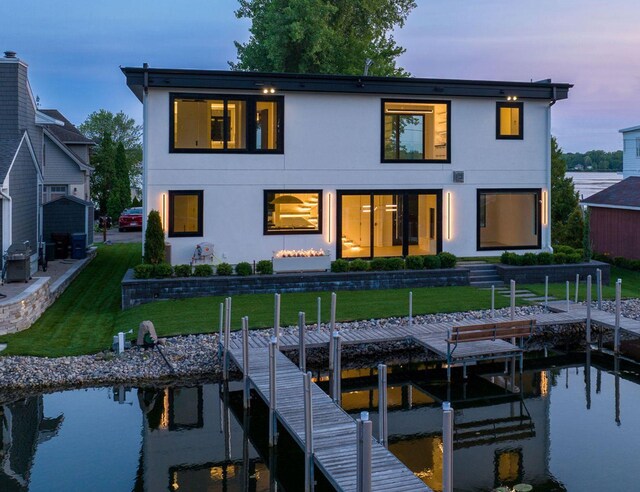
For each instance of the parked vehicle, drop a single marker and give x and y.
(130, 219)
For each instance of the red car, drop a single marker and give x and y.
(130, 219)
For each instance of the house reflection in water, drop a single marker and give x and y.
(23, 427)
(497, 435)
(192, 442)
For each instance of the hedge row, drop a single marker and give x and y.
(561, 256)
(618, 261)
(442, 260)
(165, 270)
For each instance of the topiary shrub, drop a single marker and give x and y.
(154, 239)
(358, 266)
(447, 260)
(340, 266)
(162, 270)
(506, 258)
(560, 258)
(574, 258)
(244, 268)
(224, 269)
(143, 271)
(414, 262)
(378, 264)
(560, 248)
(545, 258)
(529, 259)
(264, 267)
(392, 264)
(182, 270)
(431, 262)
(202, 271)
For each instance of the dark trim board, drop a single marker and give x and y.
(267, 232)
(411, 86)
(538, 191)
(404, 192)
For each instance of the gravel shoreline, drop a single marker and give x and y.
(195, 357)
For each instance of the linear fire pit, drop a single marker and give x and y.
(303, 260)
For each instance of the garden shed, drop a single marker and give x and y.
(68, 215)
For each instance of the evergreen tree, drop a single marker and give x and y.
(564, 197)
(154, 239)
(103, 161)
(322, 36)
(120, 196)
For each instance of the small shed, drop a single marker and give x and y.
(615, 219)
(69, 215)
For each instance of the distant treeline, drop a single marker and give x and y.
(594, 160)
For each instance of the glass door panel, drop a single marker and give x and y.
(356, 226)
(422, 224)
(388, 230)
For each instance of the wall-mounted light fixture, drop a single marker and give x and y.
(512, 98)
(448, 215)
(329, 219)
(269, 90)
(164, 211)
(545, 208)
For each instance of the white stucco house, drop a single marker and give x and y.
(361, 167)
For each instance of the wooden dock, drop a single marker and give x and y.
(334, 431)
(600, 318)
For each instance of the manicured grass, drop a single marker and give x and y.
(83, 319)
(630, 286)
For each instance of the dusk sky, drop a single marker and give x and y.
(74, 49)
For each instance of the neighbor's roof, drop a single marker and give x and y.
(70, 198)
(68, 133)
(625, 194)
(288, 82)
(630, 129)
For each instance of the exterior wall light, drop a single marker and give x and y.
(268, 90)
(512, 98)
(545, 208)
(164, 212)
(448, 215)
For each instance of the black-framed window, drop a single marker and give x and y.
(416, 131)
(214, 123)
(509, 219)
(383, 223)
(185, 213)
(293, 212)
(509, 120)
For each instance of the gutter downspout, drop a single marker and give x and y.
(553, 101)
(145, 138)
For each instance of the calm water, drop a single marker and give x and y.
(588, 184)
(571, 428)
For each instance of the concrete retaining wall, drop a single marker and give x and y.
(535, 274)
(142, 291)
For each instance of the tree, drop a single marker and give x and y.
(103, 161)
(564, 198)
(122, 129)
(322, 36)
(120, 193)
(154, 239)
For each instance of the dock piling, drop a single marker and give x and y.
(308, 434)
(588, 323)
(410, 308)
(273, 422)
(363, 473)
(577, 286)
(227, 336)
(382, 405)
(276, 320)
(302, 349)
(319, 312)
(616, 339)
(493, 301)
(332, 328)
(221, 335)
(546, 291)
(513, 299)
(336, 375)
(447, 442)
(245, 361)
(599, 282)
(568, 296)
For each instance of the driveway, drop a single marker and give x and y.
(117, 237)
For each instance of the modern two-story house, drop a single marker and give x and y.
(361, 167)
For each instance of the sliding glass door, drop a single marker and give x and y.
(389, 223)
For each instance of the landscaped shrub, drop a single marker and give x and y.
(244, 268)
(447, 260)
(378, 264)
(561, 248)
(224, 269)
(143, 270)
(162, 270)
(340, 266)
(545, 258)
(529, 259)
(358, 266)
(560, 258)
(202, 271)
(415, 262)
(394, 264)
(264, 267)
(575, 258)
(154, 239)
(182, 270)
(431, 262)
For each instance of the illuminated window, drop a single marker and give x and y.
(415, 131)
(508, 466)
(509, 120)
(185, 213)
(293, 212)
(202, 123)
(508, 219)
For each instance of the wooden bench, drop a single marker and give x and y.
(487, 340)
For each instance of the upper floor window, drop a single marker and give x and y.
(416, 131)
(208, 123)
(509, 116)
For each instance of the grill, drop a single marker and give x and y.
(19, 262)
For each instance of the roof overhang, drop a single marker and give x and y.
(601, 205)
(630, 129)
(286, 82)
(43, 119)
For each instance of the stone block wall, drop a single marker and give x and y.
(535, 274)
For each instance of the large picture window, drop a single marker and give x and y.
(509, 123)
(388, 223)
(416, 131)
(185, 213)
(207, 123)
(508, 219)
(293, 212)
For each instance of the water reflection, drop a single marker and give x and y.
(556, 432)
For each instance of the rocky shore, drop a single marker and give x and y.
(195, 357)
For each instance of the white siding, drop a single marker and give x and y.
(630, 157)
